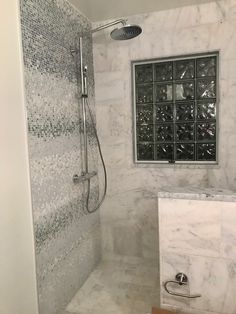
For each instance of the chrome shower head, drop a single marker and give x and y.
(126, 32)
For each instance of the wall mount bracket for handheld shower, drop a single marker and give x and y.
(84, 176)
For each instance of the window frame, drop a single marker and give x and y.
(172, 59)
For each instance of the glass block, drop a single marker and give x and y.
(184, 69)
(206, 131)
(165, 152)
(206, 110)
(144, 114)
(144, 93)
(185, 131)
(206, 89)
(145, 133)
(164, 112)
(163, 92)
(206, 67)
(184, 111)
(185, 151)
(164, 132)
(163, 71)
(144, 73)
(206, 152)
(184, 91)
(145, 152)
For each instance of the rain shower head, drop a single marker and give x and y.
(125, 32)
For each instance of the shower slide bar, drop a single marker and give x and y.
(86, 175)
(181, 279)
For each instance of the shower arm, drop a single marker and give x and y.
(122, 21)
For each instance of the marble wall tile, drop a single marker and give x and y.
(127, 240)
(213, 278)
(195, 239)
(186, 226)
(187, 30)
(229, 305)
(211, 272)
(209, 277)
(170, 265)
(111, 79)
(133, 230)
(229, 233)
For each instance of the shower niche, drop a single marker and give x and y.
(175, 109)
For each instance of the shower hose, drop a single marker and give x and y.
(90, 211)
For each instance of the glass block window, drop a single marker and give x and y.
(175, 102)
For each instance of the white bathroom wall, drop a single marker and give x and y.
(17, 263)
(197, 237)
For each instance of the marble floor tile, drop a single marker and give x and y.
(117, 288)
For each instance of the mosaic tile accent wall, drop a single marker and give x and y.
(67, 239)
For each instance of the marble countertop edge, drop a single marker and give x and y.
(209, 194)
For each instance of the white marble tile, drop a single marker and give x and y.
(133, 229)
(190, 29)
(110, 86)
(229, 231)
(170, 265)
(229, 306)
(113, 131)
(117, 288)
(194, 193)
(213, 278)
(186, 310)
(190, 227)
(209, 277)
(209, 274)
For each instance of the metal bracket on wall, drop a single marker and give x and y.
(180, 279)
(84, 176)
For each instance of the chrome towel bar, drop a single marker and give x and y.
(180, 279)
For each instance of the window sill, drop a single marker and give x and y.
(177, 165)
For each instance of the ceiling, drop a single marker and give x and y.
(99, 10)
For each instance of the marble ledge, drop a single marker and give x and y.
(192, 193)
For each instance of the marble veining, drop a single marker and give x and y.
(125, 286)
(197, 237)
(186, 30)
(192, 229)
(194, 193)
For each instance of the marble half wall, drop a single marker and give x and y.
(197, 237)
(67, 238)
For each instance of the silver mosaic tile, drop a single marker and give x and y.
(49, 29)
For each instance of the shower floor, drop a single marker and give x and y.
(118, 287)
